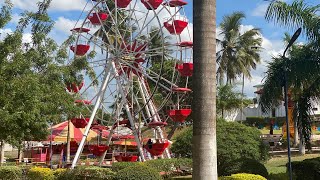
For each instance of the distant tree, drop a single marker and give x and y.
(228, 99)
(31, 79)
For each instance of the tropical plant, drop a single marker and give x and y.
(228, 99)
(239, 51)
(204, 96)
(234, 141)
(297, 14)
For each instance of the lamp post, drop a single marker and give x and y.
(292, 40)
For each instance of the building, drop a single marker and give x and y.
(254, 110)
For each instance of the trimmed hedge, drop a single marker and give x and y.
(307, 169)
(38, 173)
(245, 165)
(138, 172)
(10, 173)
(91, 172)
(59, 174)
(242, 176)
(167, 165)
(264, 121)
(117, 166)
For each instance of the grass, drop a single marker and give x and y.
(277, 165)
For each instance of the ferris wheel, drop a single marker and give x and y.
(141, 53)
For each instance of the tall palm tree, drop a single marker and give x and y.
(204, 99)
(303, 79)
(239, 51)
(297, 14)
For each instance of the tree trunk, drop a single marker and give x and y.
(2, 153)
(204, 101)
(68, 142)
(296, 135)
(242, 89)
(171, 132)
(302, 145)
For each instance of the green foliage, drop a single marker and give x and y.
(59, 174)
(138, 172)
(242, 176)
(182, 145)
(228, 99)
(307, 169)
(10, 173)
(264, 121)
(169, 165)
(82, 173)
(239, 51)
(38, 173)
(278, 176)
(234, 141)
(245, 165)
(33, 91)
(117, 166)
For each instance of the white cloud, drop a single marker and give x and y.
(56, 5)
(260, 10)
(64, 25)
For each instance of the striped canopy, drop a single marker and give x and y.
(60, 132)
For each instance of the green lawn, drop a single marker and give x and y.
(277, 165)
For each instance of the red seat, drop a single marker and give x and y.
(157, 148)
(151, 4)
(96, 17)
(177, 3)
(80, 49)
(75, 88)
(185, 69)
(80, 30)
(182, 90)
(186, 44)
(158, 123)
(98, 150)
(176, 27)
(179, 115)
(123, 3)
(126, 158)
(80, 122)
(80, 101)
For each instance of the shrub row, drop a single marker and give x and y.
(307, 169)
(242, 176)
(264, 121)
(122, 170)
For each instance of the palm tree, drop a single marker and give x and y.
(298, 14)
(204, 99)
(239, 52)
(303, 68)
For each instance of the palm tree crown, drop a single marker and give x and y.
(239, 52)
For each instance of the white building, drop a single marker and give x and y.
(255, 109)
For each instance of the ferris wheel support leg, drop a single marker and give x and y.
(153, 110)
(96, 106)
(134, 130)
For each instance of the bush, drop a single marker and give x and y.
(279, 176)
(307, 169)
(38, 173)
(234, 141)
(168, 165)
(242, 176)
(59, 174)
(138, 172)
(117, 166)
(91, 172)
(245, 165)
(10, 173)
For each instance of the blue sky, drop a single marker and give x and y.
(66, 13)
